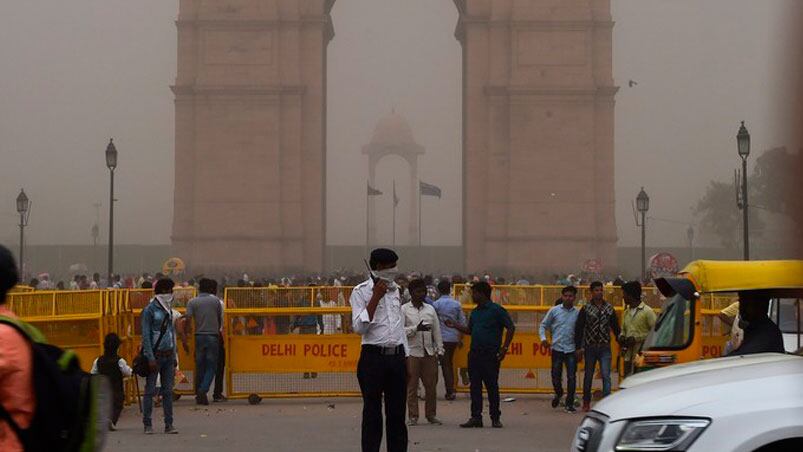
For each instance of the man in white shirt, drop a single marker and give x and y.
(426, 344)
(377, 316)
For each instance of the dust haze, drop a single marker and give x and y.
(76, 73)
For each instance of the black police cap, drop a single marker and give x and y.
(384, 256)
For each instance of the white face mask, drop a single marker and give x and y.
(166, 299)
(389, 274)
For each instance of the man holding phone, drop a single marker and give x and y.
(426, 344)
(377, 316)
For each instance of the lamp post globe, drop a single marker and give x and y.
(642, 201)
(743, 141)
(22, 202)
(111, 155)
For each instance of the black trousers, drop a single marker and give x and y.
(383, 376)
(447, 366)
(221, 367)
(483, 369)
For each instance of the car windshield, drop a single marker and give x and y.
(786, 313)
(673, 326)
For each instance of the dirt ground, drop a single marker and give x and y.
(334, 425)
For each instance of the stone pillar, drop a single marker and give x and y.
(250, 138)
(538, 139)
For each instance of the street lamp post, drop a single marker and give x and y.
(24, 209)
(111, 163)
(643, 205)
(743, 142)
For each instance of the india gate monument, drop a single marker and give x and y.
(538, 134)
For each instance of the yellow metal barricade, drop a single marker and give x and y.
(280, 342)
(69, 319)
(297, 341)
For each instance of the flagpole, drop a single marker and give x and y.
(367, 218)
(420, 209)
(394, 212)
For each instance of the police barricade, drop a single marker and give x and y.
(279, 345)
(75, 320)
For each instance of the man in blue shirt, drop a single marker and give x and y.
(448, 308)
(560, 321)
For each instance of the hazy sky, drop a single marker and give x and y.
(76, 73)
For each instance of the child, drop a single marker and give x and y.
(115, 369)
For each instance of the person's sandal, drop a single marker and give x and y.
(434, 421)
(413, 421)
(170, 430)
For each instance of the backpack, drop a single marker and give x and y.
(72, 406)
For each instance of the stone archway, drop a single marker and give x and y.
(393, 136)
(538, 111)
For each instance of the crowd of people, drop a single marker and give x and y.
(410, 326)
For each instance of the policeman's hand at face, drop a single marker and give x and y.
(380, 288)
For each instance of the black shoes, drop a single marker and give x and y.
(219, 398)
(201, 399)
(472, 423)
(555, 401)
(496, 423)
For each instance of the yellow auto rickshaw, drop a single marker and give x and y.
(678, 335)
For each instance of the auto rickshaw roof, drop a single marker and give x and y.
(733, 276)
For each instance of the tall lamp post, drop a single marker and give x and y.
(24, 209)
(643, 205)
(743, 142)
(111, 163)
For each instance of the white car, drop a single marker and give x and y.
(740, 403)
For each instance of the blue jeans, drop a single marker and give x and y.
(594, 354)
(166, 369)
(559, 359)
(207, 349)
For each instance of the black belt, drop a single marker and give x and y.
(380, 350)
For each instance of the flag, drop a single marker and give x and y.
(395, 198)
(429, 190)
(373, 191)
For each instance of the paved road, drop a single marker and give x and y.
(308, 425)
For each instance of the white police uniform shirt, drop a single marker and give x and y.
(387, 327)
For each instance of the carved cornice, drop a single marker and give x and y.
(502, 90)
(251, 23)
(237, 238)
(553, 238)
(536, 23)
(274, 90)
